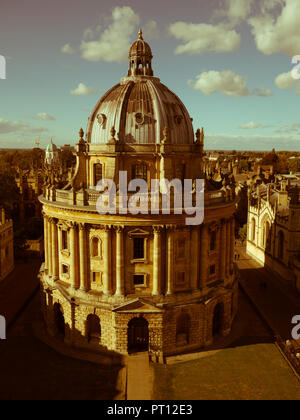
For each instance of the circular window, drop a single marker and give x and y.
(101, 119)
(178, 119)
(139, 118)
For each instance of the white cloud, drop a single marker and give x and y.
(286, 81)
(265, 92)
(45, 117)
(7, 126)
(202, 37)
(250, 125)
(115, 40)
(278, 34)
(286, 129)
(226, 82)
(90, 33)
(150, 30)
(83, 90)
(234, 10)
(67, 49)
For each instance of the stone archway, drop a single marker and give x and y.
(93, 328)
(218, 318)
(138, 335)
(59, 319)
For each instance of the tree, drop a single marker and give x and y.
(9, 192)
(294, 165)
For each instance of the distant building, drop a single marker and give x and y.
(6, 246)
(274, 227)
(52, 154)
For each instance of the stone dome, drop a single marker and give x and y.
(140, 48)
(51, 147)
(140, 107)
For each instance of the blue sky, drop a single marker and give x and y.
(228, 60)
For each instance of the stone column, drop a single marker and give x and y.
(107, 262)
(46, 242)
(223, 247)
(170, 260)
(83, 257)
(195, 238)
(120, 283)
(204, 256)
(73, 256)
(156, 290)
(54, 243)
(49, 246)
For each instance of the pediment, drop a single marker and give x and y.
(138, 232)
(137, 305)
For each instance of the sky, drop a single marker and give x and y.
(229, 61)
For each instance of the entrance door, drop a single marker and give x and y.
(138, 335)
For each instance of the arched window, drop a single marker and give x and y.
(93, 327)
(280, 244)
(253, 227)
(96, 247)
(183, 329)
(139, 171)
(98, 173)
(213, 241)
(265, 240)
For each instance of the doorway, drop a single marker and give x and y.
(138, 335)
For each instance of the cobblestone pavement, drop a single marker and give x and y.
(273, 300)
(32, 370)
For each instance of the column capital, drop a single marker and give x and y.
(106, 228)
(82, 226)
(157, 228)
(119, 228)
(214, 227)
(63, 225)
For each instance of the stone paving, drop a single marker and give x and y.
(139, 377)
(273, 300)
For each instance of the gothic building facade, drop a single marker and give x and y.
(128, 282)
(273, 237)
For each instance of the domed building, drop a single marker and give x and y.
(52, 154)
(127, 282)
